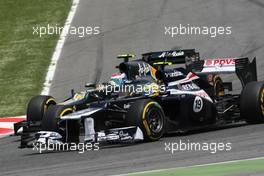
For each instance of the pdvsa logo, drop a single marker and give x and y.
(219, 62)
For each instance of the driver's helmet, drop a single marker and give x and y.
(118, 79)
(150, 88)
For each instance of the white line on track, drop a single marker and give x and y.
(59, 46)
(184, 167)
(22, 116)
(54, 60)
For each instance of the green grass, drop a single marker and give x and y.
(226, 169)
(24, 57)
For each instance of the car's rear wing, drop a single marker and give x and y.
(245, 70)
(217, 65)
(171, 57)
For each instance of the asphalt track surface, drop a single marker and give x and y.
(138, 26)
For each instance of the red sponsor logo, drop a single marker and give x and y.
(208, 62)
(219, 62)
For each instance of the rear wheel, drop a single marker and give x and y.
(149, 116)
(252, 102)
(51, 122)
(38, 106)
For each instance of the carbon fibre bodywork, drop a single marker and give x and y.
(192, 97)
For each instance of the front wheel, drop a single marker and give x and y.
(149, 116)
(38, 106)
(52, 122)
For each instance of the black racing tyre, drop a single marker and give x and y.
(52, 116)
(149, 117)
(50, 122)
(252, 102)
(38, 106)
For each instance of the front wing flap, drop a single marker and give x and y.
(111, 136)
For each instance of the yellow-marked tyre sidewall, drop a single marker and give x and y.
(65, 111)
(262, 102)
(137, 116)
(52, 116)
(151, 136)
(38, 106)
(51, 122)
(251, 103)
(49, 102)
